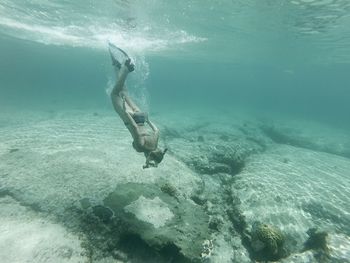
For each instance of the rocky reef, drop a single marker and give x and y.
(160, 220)
(199, 205)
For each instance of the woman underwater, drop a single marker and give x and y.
(143, 131)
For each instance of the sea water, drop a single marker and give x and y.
(252, 99)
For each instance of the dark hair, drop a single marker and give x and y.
(139, 117)
(157, 155)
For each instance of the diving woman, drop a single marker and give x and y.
(143, 131)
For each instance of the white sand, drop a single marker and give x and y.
(153, 211)
(296, 189)
(26, 237)
(76, 155)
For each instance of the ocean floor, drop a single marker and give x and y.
(233, 187)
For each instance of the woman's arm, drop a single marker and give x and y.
(131, 104)
(153, 127)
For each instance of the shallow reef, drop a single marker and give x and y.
(200, 205)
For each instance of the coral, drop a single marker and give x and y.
(85, 203)
(268, 240)
(169, 189)
(207, 249)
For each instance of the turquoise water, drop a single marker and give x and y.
(281, 55)
(260, 80)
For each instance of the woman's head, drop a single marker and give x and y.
(155, 157)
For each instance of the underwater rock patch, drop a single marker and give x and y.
(143, 208)
(85, 203)
(103, 213)
(160, 220)
(318, 138)
(169, 189)
(317, 241)
(224, 150)
(218, 158)
(13, 150)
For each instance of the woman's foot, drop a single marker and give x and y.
(129, 65)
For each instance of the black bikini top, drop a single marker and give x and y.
(139, 117)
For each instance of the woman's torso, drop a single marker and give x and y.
(146, 138)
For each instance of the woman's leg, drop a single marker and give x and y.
(119, 93)
(117, 101)
(121, 78)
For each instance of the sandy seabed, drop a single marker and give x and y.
(60, 169)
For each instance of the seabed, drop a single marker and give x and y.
(72, 189)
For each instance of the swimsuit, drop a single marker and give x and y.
(139, 117)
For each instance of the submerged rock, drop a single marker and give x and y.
(160, 220)
(311, 135)
(317, 239)
(103, 213)
(169, 189)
